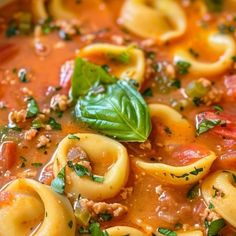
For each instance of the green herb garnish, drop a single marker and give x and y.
(166, 232)
(73, 136)
(54, 125)
(206, 125)
(193, 192)
(58, 184)
(183, 67)
(32, 108)
(36, 164)
(215, 226)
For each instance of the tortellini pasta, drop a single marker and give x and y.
(99, 150)
(219, 189)
(186, 233)
(124, 230)
(56, 9)
(160, 20)
(178, 175)
(219, 43)
(134, 69)
(182, 130)
(33, 205)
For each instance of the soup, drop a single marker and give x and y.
(117, 118)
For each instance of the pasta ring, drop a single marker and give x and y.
(17, 217)
(114, 179)
(134, 70)
(39, 10)
(224, 183)
(178, 175)
(181, 129)
(218, 43)
(154, 22)
(124, 230)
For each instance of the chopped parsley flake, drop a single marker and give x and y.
(215, 226)
(36, 164)
(81, 171)
(183, 67)
(54, 125)
(73, 136)
(206, 125)
(32, 107)
(193, 192)
(70, 224)
(166, 232)
(58, 184)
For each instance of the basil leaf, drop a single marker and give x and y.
(215, 226)
(182, 67)
(166, 232)
(54, 125)
(86, 75)
(119, 112)
(58, 184)
(206, 125)
(36, 164)
(32, 108)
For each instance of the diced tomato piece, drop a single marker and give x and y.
(5, 198)
(7, 50)
(228, 127)
(230, 84)
(226, 161)
(8, 155)
(66, 74)
(187, 154)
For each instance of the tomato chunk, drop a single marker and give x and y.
(228, 127)
(227, 161)
(187, 154)
(7, 50)
(8, 155)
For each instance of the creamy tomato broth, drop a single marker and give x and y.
(182, 150)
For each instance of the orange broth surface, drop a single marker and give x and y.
(146, 209)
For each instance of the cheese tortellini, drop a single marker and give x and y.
(124, 230)
(134, 68)
(99, 150)
(219, 189)
(219, 43)
(35, 209)
(159, 20)
(178, 175)
(182, 131)
(56, 9)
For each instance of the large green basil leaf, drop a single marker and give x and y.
(86, 75)
(119, 112)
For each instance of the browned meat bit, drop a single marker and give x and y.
(78, 155)
(17, 116)
(60, 102)
(30, 134)
(43, 141)
(97, 208)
